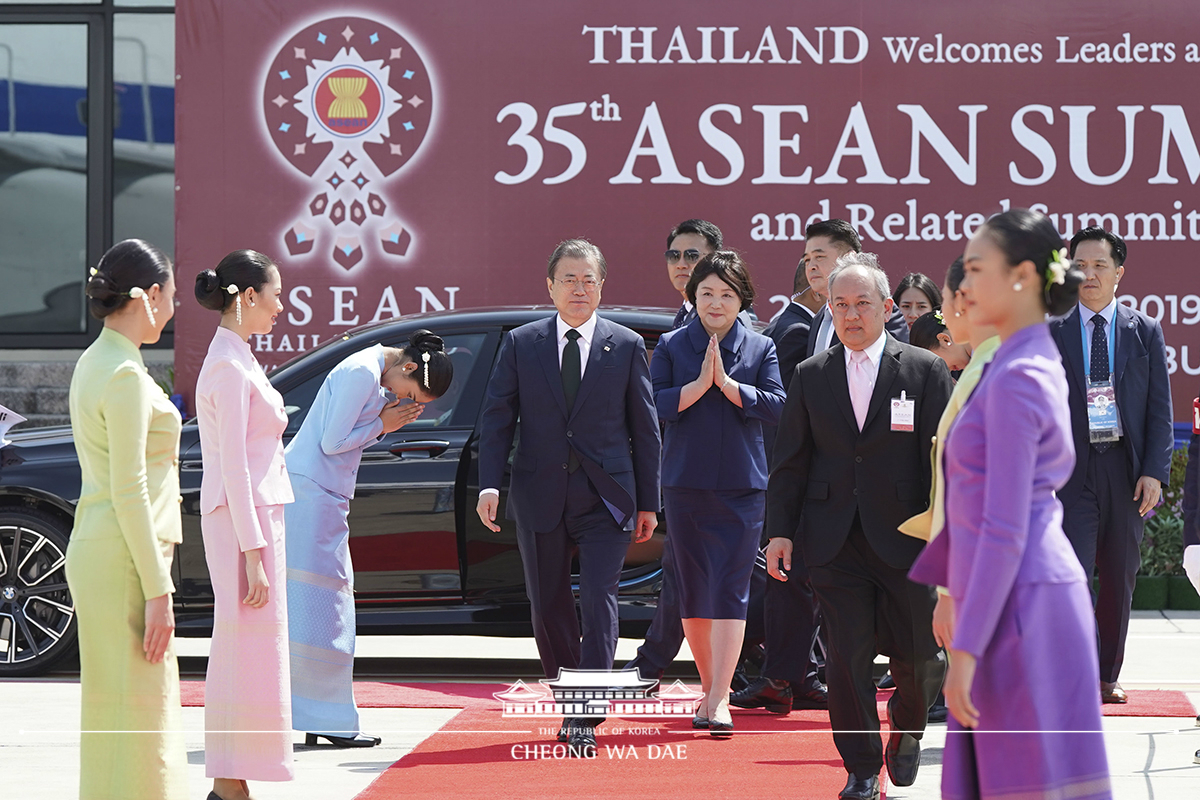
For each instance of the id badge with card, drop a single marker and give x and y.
(904, 413)
(1102, 411)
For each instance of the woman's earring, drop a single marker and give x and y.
(249, 302)
(233, 290)
(1018, 287)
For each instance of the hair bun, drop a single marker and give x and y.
(427, 341)
(208, 290)
(101, 289)
(208, 281)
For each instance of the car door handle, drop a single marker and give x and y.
(433, 447)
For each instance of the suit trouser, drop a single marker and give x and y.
(1106, 531)
(589, 525)
(664, 637)
(791, 618)
(871, 607)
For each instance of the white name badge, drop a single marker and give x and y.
(904, 413)
(1102, 411)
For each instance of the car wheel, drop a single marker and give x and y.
(37, 615)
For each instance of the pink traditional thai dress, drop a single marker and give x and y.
(247, 708)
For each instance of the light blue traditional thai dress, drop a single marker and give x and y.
(323, 461)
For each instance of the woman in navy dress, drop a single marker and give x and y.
(716, 383)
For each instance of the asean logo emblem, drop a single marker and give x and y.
(348, 103)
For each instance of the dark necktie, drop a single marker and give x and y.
(680, 317)
(572, 375)
(1099, 359)
(1100, 367)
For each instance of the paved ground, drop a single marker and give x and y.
(1149, 758)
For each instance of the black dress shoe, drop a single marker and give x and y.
(720, 730)
(774, 696)
(860, 788)
(902, 756)
(582, 743)
(700, 723)
(815, 698)
(564, 733)
(740, 679)
(887, 681)
(357, 740)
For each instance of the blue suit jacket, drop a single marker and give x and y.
(612, 428)
(713, 444)
(1143, 395)
(1191, 494)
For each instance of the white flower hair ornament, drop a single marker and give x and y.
(1056, 269)
(233, 290)
(425, 358)
(137, 292)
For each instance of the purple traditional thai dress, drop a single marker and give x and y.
(1021, 600)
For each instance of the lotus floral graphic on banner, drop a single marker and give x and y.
(348, 102)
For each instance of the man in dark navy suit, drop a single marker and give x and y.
(586, 469)
(791, 328)
(1118, 354)
(824, 243)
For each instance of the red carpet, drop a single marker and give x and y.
(480, 754)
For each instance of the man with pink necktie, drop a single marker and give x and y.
(851, 463)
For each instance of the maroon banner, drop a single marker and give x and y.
(406, 157)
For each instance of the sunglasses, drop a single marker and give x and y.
(691, 256)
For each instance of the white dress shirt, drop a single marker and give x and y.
(586, 332)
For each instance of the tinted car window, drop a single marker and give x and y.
(463, 349)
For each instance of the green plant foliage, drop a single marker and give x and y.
(1162, 544)
(168, 385)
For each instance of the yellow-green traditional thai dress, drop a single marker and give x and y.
(127, 524)
(930, 522)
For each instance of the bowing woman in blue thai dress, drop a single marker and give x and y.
(716, 383)
(350, 412)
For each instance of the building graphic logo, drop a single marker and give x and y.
(597, 693)
(348, 102)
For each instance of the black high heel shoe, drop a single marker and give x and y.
(357, 740)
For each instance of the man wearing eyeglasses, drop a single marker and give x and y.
(586, 469)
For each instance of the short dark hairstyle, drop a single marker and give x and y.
(702, 227)
(925, 330)
(1025, 235)
(577, 248)
(435, 373)
(922, 283)
(955, 274)
(243, 269)
(838, 230)
(1095, 233)
(128, 264)
(800, 279)
(730, 268)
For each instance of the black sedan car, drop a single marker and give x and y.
(424, 563)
